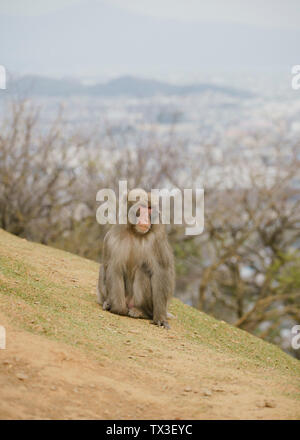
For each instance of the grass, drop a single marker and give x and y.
(52, 293)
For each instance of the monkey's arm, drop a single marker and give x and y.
(114, 286)
(161, 293)
(163, 281)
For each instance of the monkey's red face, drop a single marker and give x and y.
(144, 219)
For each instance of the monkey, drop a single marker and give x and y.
(137, 275)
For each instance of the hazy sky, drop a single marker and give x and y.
(147, 37)
(268, 13)
(276, 13)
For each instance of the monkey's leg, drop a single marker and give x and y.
(141, 302)
(115, 291)
(161, 283)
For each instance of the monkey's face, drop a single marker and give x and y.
(142, 214)
(143, 224)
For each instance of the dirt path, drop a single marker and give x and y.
(46, 379)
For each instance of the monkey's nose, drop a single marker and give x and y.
(144, 216)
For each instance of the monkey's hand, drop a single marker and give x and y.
(164, 324)
(106, 305)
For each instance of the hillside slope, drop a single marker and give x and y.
(66, 358)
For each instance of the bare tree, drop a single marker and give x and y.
(246, 264)
(37, 173)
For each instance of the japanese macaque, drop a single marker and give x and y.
(137, 276)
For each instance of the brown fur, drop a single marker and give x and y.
(137, 275)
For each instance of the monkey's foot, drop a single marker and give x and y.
(106, 305)
(135, 313)
(164, 324)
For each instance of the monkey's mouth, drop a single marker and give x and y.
(143, 228)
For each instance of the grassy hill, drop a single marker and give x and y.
(66, 358)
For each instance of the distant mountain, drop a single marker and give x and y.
(123, 86)
(39, 85)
